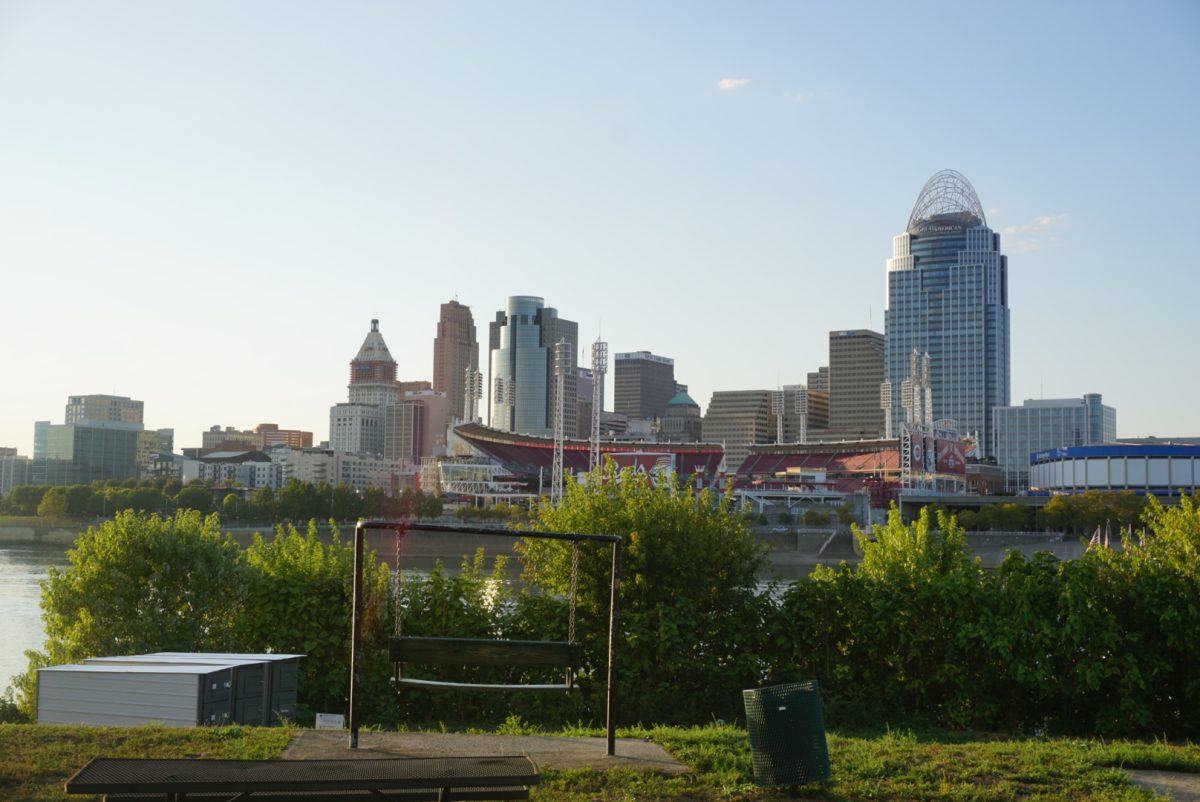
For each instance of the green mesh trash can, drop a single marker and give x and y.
(787, 734)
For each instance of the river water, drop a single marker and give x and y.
(22, 566)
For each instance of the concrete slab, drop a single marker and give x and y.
(548, 752)
(1174, 785)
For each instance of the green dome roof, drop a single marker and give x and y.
(682, 399)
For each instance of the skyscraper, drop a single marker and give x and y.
(855, 373)
(455, 350)
(643, 384)
(947, 295)
(522, 394)
(358, 426)
(738, 419)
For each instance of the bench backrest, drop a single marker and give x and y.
(479, 652)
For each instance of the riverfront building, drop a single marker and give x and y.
(14, 470)
(522, 395)
(947, 295)
(1042, 425)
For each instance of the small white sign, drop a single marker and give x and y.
(331, 721)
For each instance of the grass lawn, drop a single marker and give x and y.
(35, 759)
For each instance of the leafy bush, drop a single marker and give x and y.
(299, 600)
(692, 624)
(137, 584)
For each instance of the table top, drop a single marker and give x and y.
(134, 775)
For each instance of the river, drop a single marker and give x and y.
(22, 566)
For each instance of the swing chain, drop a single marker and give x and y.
(398, 581)
(574, 589)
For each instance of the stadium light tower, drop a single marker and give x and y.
(599, 368)
(562, 364)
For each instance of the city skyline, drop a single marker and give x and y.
(208, 221)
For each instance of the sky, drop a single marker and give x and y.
(203, 205)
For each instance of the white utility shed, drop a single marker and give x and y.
(171, 695)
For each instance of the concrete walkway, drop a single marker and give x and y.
(548, 752)
(1174, 785)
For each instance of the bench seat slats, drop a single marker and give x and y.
(418, 795)
(399, 779)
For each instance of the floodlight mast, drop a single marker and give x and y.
(599, 368)
(473, 386)
(562, 364)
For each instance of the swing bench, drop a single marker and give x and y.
(471, 652)
(488, 653)
(484, 653)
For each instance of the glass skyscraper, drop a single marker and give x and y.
(948, 295)
(523, 392)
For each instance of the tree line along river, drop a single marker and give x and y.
(25, 560)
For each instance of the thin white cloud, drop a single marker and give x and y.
(1036, 235)
(801, 95)
(731, 84)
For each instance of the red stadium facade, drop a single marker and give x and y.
(530, 456)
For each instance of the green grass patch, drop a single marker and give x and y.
(890, 765)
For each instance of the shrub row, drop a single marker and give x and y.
(918, 633)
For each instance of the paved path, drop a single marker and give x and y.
(1174, 785)
(548, 752)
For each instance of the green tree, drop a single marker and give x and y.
(148, 499)
(815, 517)
(691, 619)
(263, 505)
(300, 595)
(54, 504)
(430, 506)
(345, 503)
(232, 508)
(141, 584)
(786, 518)
(24, 499)
(195, 497)
(78, 500)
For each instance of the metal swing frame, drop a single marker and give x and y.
(533, 648)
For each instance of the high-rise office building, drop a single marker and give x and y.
(643, 384)
(738, 419)
(81, 453)
(103, 438)
(358, 426)
(522, 393)
(81, 408)
(855, 373)
(947, 295)
(373, 372)
(455, 351)
(1040, 425)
